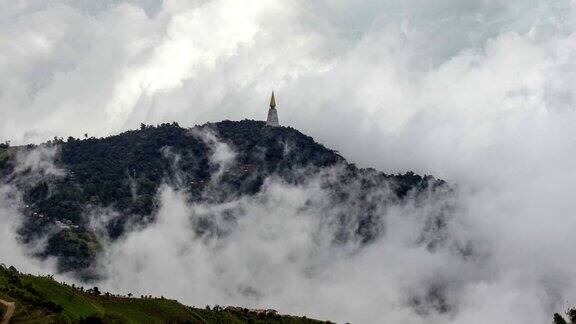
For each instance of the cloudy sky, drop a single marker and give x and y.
(391, 84)
(480, 93)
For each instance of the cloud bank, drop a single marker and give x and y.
(277, 249)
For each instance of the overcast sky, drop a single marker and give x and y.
(414, 79)
(480, 93)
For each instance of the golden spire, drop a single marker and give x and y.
(272, 101)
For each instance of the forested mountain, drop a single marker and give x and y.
(61, 187)
(61, 183)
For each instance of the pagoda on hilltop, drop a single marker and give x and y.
(272, 113)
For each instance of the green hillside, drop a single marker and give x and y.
(43, 300)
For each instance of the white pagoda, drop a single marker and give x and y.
(272, 113)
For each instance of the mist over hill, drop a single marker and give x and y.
(238, 213)
(289, 202)
(62, 183)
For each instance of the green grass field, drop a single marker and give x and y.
(43, 300)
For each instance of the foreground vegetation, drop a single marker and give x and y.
(558, 319)
(44, 300)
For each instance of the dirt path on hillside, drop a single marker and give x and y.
(9, 311)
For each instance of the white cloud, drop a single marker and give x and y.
(276, 250)
(38, 161)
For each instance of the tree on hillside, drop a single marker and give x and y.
(558, 319)
(571, 313)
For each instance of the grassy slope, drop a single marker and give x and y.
(31, 294)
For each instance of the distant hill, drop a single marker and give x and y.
(43, 300)
(123, 172)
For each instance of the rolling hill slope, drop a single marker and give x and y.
(44, 300)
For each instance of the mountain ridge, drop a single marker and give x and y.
(124, 171)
